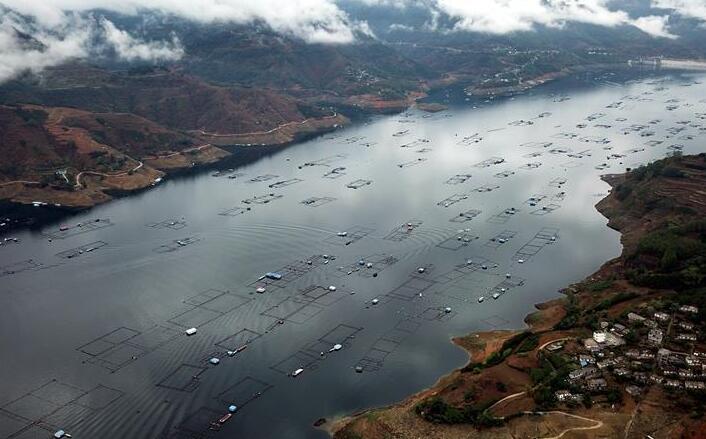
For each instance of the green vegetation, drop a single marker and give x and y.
(522, 342)
(549, 377)
(529, 343)
(436, 410)
(604, 304)
(32, 117)
(673, 257)
(600, 285)
(573, 313)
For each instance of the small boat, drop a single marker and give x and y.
(241, 348)
(496, 295)
(375, 301)
(273, 275)
(481, 299)
(225, 418)
(232, 408)
(260, 290)
(447, 309)
(336, 347)
(215, 361)
(331, 288)
(190, 331)
(297, 372)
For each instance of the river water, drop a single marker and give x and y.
(92, 335)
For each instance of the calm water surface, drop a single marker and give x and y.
(92, 336)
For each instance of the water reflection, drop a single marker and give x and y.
(108, 322)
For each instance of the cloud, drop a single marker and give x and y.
(315, 21)
(401, 27)
(130, 48)
(686, 8)
(62, 30)
(31, 45)
(24, 47)
(654, 25)
(505, 16)
(67, 29)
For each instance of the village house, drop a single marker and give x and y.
(674, 384)
(686, 326)
(661, 317)
(556, 346)
(686, 337)
(566, 396)
(650, 323)
(693, 361)
(585, 360)
(655, 337)
(621, 372)
(591, 345)
(695, 385)
(670, 372)
(619, 330)
(633, 390)
(605, 363)
(607, 338)
(635, 318)
(596, 385)
(687, 374)
(640, 354)
(641, 377)
(586, 372)
(654, 378)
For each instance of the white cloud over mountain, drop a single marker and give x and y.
(686, 8)
(61, 30)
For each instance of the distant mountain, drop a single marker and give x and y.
(247, 83)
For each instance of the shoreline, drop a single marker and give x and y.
(609, 289)
(476, 353)
(225, 149)
(225, 152)
(20, 215)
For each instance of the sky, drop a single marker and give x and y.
(75, 29)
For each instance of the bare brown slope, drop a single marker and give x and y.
(168, 98)
(75, 158)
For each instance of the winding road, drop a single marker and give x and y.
(515, 395)
(596, 423)
(78, 176)
(259, 133)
